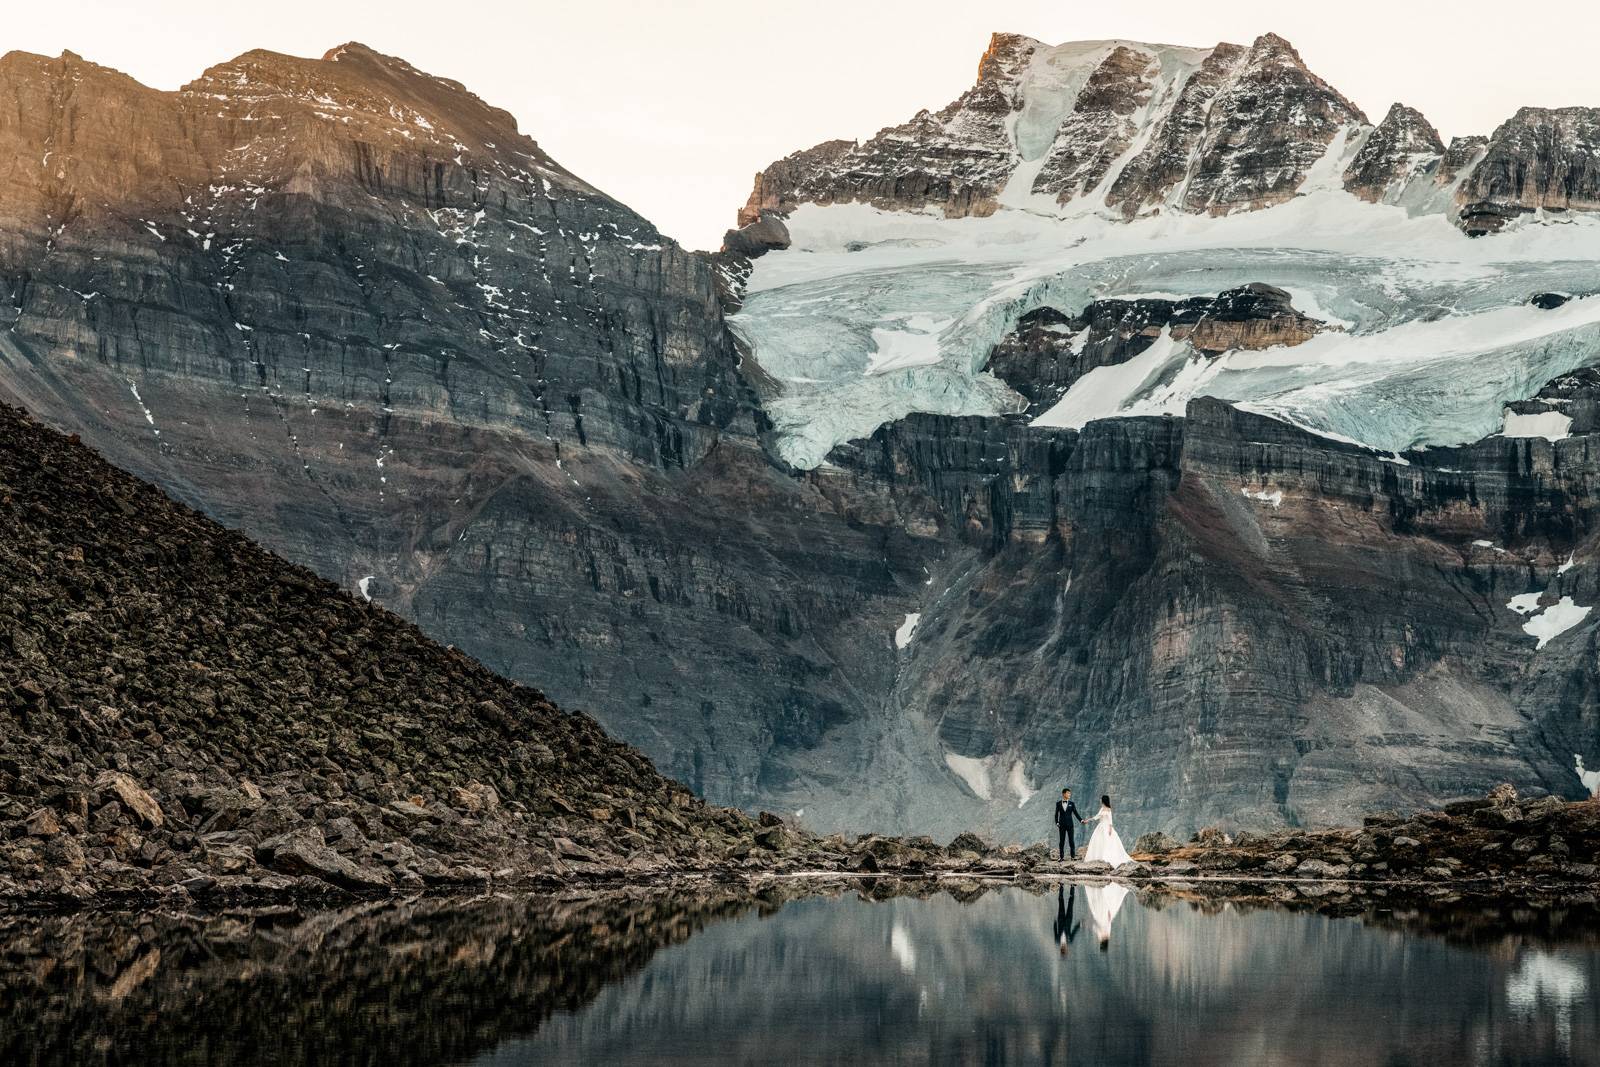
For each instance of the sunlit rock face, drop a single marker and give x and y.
(955, 159)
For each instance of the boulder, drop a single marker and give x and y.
(1211, 836)
(1155, 843)
(475, 798)
(1283, 863)
(967, 841)
(1321, 869)
(767, 233)
(63, 853)
(132, 797)
(1539, 809)
(1503, 794)
(42, 823)
(303, 852)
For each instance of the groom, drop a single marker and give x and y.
(1066, 811)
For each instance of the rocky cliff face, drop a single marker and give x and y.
(1543, 159)
(1223, 618)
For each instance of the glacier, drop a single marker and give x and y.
(872, 315)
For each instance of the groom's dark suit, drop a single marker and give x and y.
(1066, 811)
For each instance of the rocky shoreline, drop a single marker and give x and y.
(1502, 845)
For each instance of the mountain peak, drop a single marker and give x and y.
(351, 48)
(1271, 43)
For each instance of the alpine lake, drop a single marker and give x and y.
(816, 971)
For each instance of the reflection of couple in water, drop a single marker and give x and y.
(1104, 903)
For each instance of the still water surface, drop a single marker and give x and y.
(1069, 975)
(994, 982)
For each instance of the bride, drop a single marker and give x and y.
(1105, 845)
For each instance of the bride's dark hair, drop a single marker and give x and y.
(1105, 798)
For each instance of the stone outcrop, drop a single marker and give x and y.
(1542, 159)
(1459, 159)
(1399, 150)
(1573, 397)
(1049, 350)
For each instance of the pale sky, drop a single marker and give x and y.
(673, 105)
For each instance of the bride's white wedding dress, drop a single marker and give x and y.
(1105, 845)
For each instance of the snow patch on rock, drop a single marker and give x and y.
(1555, 620)
(971, 770)
(1275, 498)
(1550, 425)
(902, 636)
(1524, 603)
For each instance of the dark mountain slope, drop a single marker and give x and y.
(180, 706)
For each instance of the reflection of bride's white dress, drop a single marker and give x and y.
(1105, 845)
(1104, 903)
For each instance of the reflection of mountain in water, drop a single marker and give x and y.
(964, 975)
(936, 980)
(399, 984)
